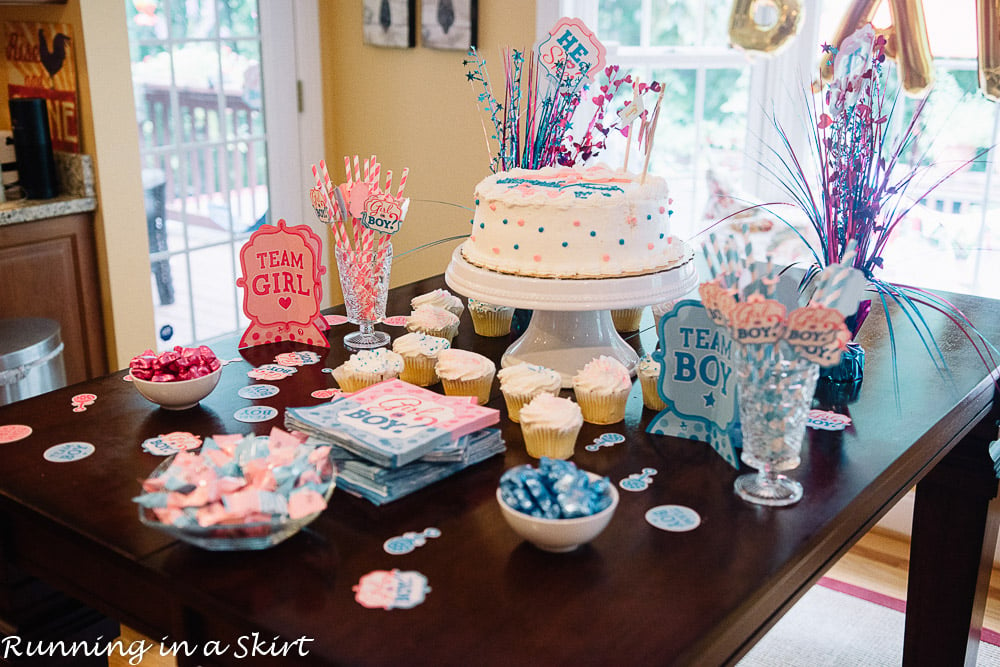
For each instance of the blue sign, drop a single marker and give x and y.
(697, 381)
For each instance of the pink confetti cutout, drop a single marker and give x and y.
(81, 401)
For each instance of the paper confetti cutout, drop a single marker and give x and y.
(827, 421)
(253, 391)
(408, 541)
(255, 413)
(638, 481)
(605, 440)
(271, 372)
(395, 321)
(673, 518)
(391, 589)
(171, 443)
(304, 358)
(68, 451)
(81, 401)
(13, 433)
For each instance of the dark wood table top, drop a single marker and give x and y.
(634, 594)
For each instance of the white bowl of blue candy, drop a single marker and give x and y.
(557, 507)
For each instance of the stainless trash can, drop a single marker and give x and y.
(31, 358)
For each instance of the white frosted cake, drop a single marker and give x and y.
(562, 222)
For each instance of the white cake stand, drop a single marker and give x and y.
(571, 323)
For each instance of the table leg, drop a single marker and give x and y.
(954, 537)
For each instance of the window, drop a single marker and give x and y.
(720, 101)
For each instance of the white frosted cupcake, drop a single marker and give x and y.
(419, 352)
(626, 319)
(601, 388)
(660, 309)
(433, 321)
(522, 382)
(465, 373)
(366, 368)
(648, 371)
(441, 298)
(549, 426)
(489, 319)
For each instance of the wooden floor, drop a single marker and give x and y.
(879, 562)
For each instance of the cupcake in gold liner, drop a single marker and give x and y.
(419, 352)
(602, 388)
(549, 426)
(465, 373)
(522, 382)
(366, 368)
(626, 319)
(441, 298)
(489, 319)
(433, 321)
(649, 379)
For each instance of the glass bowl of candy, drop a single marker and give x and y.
(177, 379)
(223, 498)
(557, 507)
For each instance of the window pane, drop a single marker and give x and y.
(192, 19)
(237, 18)
(690, 23)
(619, 21)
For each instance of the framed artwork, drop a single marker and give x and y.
(390, 23)
(448, 24)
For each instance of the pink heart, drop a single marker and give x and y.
(285, 302)
(520, 223)
(493, 207)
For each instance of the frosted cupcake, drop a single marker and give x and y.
(490, 319)
(441, 298)
(626, 319)
(601, 388)
(433, 321)
(465, 373)
(522, 382)
(660, 309)
(419, 352)
(648, 371)
(549, 426)
(366, 368)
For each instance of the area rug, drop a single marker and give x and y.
(843, 625)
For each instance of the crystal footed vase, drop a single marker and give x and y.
(775, 395)
(364, 279)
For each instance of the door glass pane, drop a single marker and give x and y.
(196, 75)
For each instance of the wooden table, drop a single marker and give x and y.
(634, 594)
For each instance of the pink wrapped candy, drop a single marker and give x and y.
(180, 363)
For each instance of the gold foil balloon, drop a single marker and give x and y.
(988, 26)
(906, 38)
(764, 25)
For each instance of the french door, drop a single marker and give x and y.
(216, 108)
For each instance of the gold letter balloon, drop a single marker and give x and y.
(906, 40)
(764, 25)
(988, 23)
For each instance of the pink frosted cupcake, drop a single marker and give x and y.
(465, 373)
(433, 321)
(366, 368)
(602, 388)
(549, 425)
(522, 382)
(441, 298)
(419, 352)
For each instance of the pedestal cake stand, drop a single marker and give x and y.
(571, 323)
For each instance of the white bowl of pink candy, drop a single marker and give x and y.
(557, 507)
(177, 379)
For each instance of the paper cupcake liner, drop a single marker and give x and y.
(626, 319)
(478, 387)
(602, 407)
(419, 370)
(448, 333)
(492, 323)
(353, 381)
(650, 396)
(542, 441)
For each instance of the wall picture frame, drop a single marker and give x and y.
(390, 23)
(449, 24)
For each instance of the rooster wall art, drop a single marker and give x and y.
(52, 60)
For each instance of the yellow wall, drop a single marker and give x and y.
(415, 108)
(110, 136)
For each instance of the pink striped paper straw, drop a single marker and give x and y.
(347, 169)
(337, 225)
(388, 181)
(402, 181)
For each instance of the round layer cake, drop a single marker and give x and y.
(560, 222)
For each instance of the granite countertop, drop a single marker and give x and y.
(75, 173)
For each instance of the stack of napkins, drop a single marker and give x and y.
(395, 438)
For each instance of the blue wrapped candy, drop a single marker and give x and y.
(556, 490)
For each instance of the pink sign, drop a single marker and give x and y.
(281, 285)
